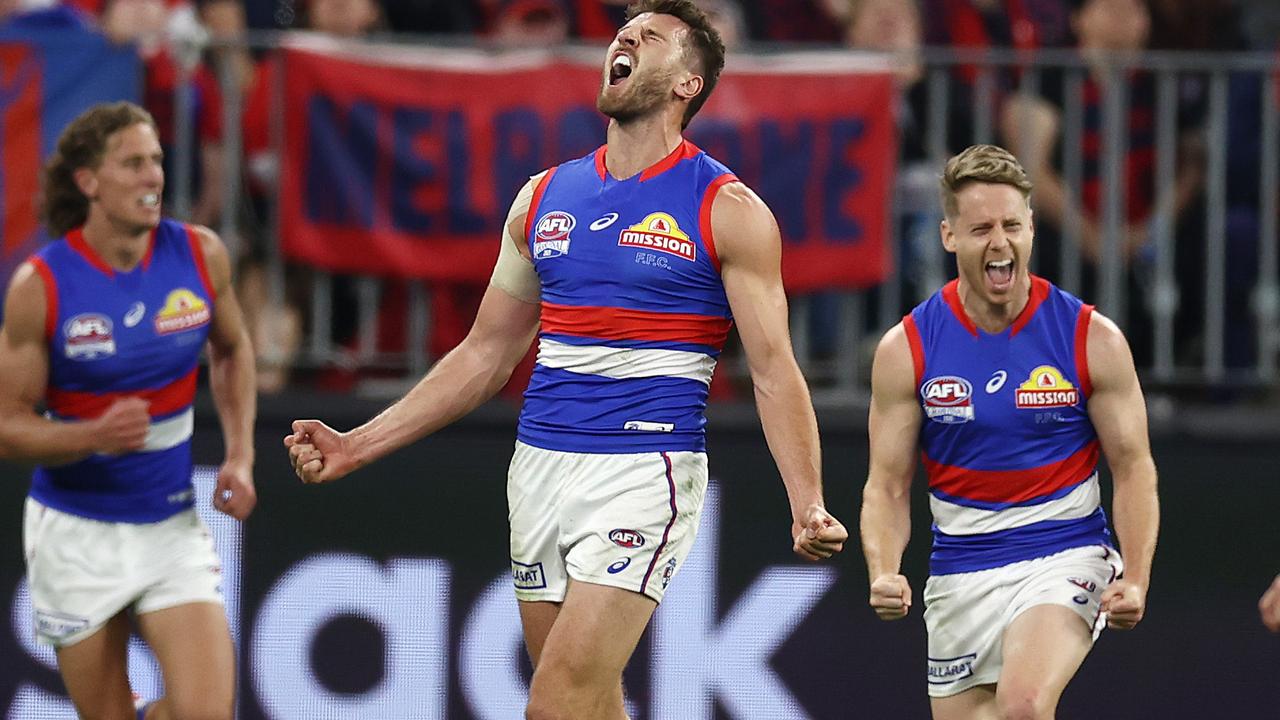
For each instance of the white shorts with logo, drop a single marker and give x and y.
(83, 572)
(623, 520)
(966, 614)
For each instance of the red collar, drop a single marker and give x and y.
(683, 151)
(1039, 292)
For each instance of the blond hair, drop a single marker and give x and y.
(984, 164)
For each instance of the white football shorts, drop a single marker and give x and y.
(83, 572)
(966, 614)
(622, 520)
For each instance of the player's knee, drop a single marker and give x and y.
(1024, 703)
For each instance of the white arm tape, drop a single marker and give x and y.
(514, 273)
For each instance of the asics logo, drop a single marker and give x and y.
(604, 222)
(997, 381)
(134, 316)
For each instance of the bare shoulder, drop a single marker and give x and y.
(25, 304)
(893, 374)
(1109, 357)
(734, 200)
(742, 224)
(216, 257)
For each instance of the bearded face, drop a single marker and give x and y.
(642, 67)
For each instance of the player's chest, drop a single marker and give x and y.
(620, 235)
(1032, 390)
(120, 325)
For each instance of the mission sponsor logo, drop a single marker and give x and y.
(551, 237)
(659, 231)
(948, 399)
(1046, 388)
(182, 310)
(89, 337)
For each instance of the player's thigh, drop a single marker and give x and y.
(192, 643)
(1043, 648)
(537, 619)
(95, 671)
(592, 638)
(976, 703)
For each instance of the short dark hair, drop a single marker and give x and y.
(82, 144)
(704, 44)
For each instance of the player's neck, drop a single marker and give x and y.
(994, 318)
(638, 144)
(121, 248)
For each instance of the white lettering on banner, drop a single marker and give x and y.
(697, 661)
(407, 599)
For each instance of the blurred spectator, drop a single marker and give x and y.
(1032, 126)
(728, 19)
(1261, 22)
(432, 17)
(1196, 25)
(531, 23)
(1022, 24)
(794, 21)
(598, 20)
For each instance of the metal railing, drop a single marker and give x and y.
(1189, 346)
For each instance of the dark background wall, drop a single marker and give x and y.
(1200, 649)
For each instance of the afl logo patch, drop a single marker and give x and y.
(89, 337)
(948, 399)
(551, 238)
(626, 538)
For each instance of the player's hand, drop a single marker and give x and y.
(1269, 605)
(319, 453)
(817, 534)
(1124, 602)
(122, 428)
(891, 596)
(234, 494)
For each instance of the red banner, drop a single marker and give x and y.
(406, 167)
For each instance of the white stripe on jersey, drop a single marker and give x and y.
(954, 519)
(625, 363)
(170, 433)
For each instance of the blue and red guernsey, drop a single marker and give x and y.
(125, 334)
(634, 313)
(1010, 452)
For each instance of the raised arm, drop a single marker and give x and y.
(25, 435)
(231, 381)
(894, 428)
(467, 376)
(750, 251)
(1119, 415)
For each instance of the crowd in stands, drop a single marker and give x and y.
(1023, 121)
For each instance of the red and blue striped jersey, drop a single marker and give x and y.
(112, 335)
(1007, 444)
(634, 312)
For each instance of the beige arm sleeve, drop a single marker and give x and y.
(514, 273)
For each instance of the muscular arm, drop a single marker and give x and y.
(1119, 415)
(25, 435)
(894, 426)
(750, 251)
(231, 381)
(231, 370)
(468, 375)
